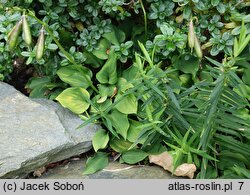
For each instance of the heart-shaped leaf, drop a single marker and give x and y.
(75, 75)
(102, 49)
(75, 99)
(187, 64)
(127, 105)
(115, 36)
(120, 122)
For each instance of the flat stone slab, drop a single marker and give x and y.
(74, 170)
(34, 133)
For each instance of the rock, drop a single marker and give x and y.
(34, 133)
(115, 170)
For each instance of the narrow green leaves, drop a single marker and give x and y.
(239, 45)
(96, 163)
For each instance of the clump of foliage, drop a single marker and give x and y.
(138, 69)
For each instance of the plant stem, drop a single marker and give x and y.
(145, 20)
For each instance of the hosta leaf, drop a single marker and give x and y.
(119, 145)
(92, 60)
(120, 122)
(98, 162)
(134, 156)
(128, 104)
(187, 64)
(75, 75)
(75, 99)
(100, 139)
(108, 74)
(134, 131)
(101, 51)
(116, 36)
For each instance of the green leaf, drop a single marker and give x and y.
(108, 73)
(120, 145)
(236, 47)
(102, 49)
(92, 60)
(75, 75)
(39, 86)
(146, 54)
(172, 97)
(134, 156)
(38, 92)
(96, 163)
(215, 2)
(243, 44)
(127, 104)
(233, 145)
(246, 76)
(116, 36)
(37, 82)
(221, 7)
(75, 99)
(124, 85)
(120, 122)
(187, 64)
(242, 171)
(106, 90)
(134, 131)
(100, 139)
(52, 46)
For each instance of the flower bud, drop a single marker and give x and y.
(26, 31)
(13, 35)
(40, 45)
(191, 34)
(197, 47)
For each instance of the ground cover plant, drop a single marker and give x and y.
(168, 81)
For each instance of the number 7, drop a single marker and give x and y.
(241, 184)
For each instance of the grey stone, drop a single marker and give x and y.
(34, 133)
(74, 170)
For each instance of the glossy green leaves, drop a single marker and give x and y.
(102, 50)
(134, 156)
(100, 139)
(187, 64)
(108, 73)
(127, 104)
(74, 98)
(75, 75)
(120, 122)
(98, 162)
